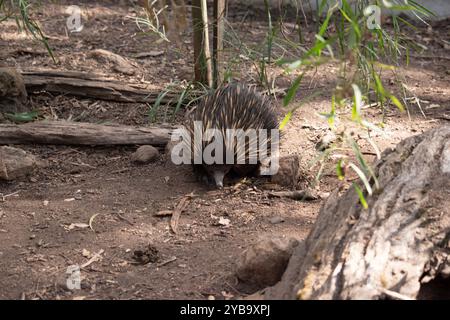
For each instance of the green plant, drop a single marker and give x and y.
(183, 95)
(19, 11)
(362, 54)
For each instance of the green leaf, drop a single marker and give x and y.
(180, 101)
(357, 103)
(421, 8)
(379, 87)
(286, 120)
(354, 24)
(22, 117)
(292, 90)
(340, 170)
(153, 111)
(324, 26)
(361, 197)
(397, 103)
(363, 177)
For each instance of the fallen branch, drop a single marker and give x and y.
(95, 86)
(78, 133)
(295, 195)
(177, 212)
(95, 258)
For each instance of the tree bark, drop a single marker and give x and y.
(218, 31)
(77, 133)
(395, 249)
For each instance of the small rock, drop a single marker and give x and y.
(326, 141)
(324, 195)
(149, 54)
(224, 222)
(145, 154)
(15, 163)
(13, 95)
(263, 264)
(86, 253)
(288, 171)
(276, 220)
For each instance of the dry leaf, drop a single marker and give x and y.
(78, 225)
(224, 222)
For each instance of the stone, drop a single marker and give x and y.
(145, 154)
(288, 171)
(326, 141)
(16, 163)
(13, 95)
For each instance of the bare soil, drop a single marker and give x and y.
(44, 217)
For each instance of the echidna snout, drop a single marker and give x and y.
(218, 172)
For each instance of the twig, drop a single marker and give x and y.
(177, 212)
(8, 195)
(82, 164)
(124, 219)
(301, 195)
(395, 295)
(93, 259)
(444, 117)
(172, 259)
(430, 57)
(121, 170)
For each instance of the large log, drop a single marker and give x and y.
(89, 85)
(398, 248)
(77, 133)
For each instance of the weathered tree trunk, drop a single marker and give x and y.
(396, 248)
(78, 133)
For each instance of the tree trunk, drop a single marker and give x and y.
(202, 55)
(218, 31)
(398, 248)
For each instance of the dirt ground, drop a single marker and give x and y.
(43, 217)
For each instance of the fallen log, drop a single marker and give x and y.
(78, 133)
(399, 248)
(89, 85)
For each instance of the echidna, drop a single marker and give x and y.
(235, 112)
